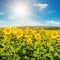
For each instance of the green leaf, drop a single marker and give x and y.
(56, 54)
(51, 48)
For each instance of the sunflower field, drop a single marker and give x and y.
(29, 44)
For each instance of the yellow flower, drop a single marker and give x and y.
(42, 30)
(58, 39)
(7, 30)
(6, 37)
(54, 34)
(19, 33)
(15, 29)
(47, 33)
(27, 30)
(34, 31)
(37, 36)
(28, 39)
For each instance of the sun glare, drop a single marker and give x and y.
(20, 10)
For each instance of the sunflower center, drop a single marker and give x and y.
(54, 34)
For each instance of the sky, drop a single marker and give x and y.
(29, 13)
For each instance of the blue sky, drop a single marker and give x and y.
(29, 13)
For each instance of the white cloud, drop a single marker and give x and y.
(3, 23)
(41, 6)
(29, 23)
(52, 22)
(1, 13)
(12, 17)
(20, 23)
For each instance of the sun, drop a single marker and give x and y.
(20, 10)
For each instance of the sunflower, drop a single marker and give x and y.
(34, 31)
(27, 37)
(42, 30)
(37, 36)
(58, 39)
(47, 33)
(6, 37)
(7, 30)
(19, 33)
(27, 31)
(54, 34)
(15, 29)
(29, 41)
